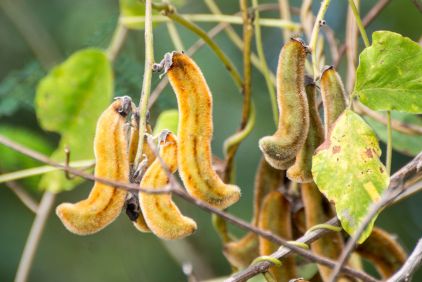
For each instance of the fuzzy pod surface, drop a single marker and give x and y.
(281, 148)
(104, 202)
(195, 133)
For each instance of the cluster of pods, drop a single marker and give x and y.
(300, 131)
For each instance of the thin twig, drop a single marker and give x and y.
(34, 237)
(170, 12)
(308, 238)
(10, 176)
(119, 37)
(146, 83)
(42, 158)
(285, 15)
(231, 150)
(25, 198)
(262, 59)
(410, 266)
(406, 128)
(220, 18)
(314, 36)
(359, 22)
(351, 51)
(175, 36)
(374, 12)
(368, 19)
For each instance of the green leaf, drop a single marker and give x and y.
(407, 144)
(13, 161)
(69, 101)
(168, 119)
(389, 75)
(347, 170)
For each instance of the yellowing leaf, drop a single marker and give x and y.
(347, 170)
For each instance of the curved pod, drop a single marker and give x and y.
(105, 202)
(281, 148)
(333, 96)
(160, 213)
(301, 171)
(275, 217)
(195, 133)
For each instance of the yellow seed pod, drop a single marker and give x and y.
(333, 96)
(383, 251)
(275, 217)
(242, 252)
(267, 179)
(281, 148)
(161, 215)
(301, 171)
(105, 202)
(195, 132)
(318, 211)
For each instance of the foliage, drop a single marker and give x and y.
(69, 100)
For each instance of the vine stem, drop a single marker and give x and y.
(220, 18)
(146, 83)
(5, 177)
(175, 36)
(410, 266)
(119, 37)
(34, 237)
(261, 55)
(232, 143)
(170, 12)
(359, 22)
(314, 36)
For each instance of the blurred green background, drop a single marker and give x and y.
(120, 252)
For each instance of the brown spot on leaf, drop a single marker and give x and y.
(381, 169)
(368, 152)
(336, 149)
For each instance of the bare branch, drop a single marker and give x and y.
(410, 266)
(406, 177)
(34, 237)
(25, 198)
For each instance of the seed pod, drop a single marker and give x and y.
(281, 148)
(161, 214)
(301, 171)
(242, 252)
(333, 96)
(195, 133)
(383, 251)
(317, 211)
(105, 202)
(275, 217)
(267, 179)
